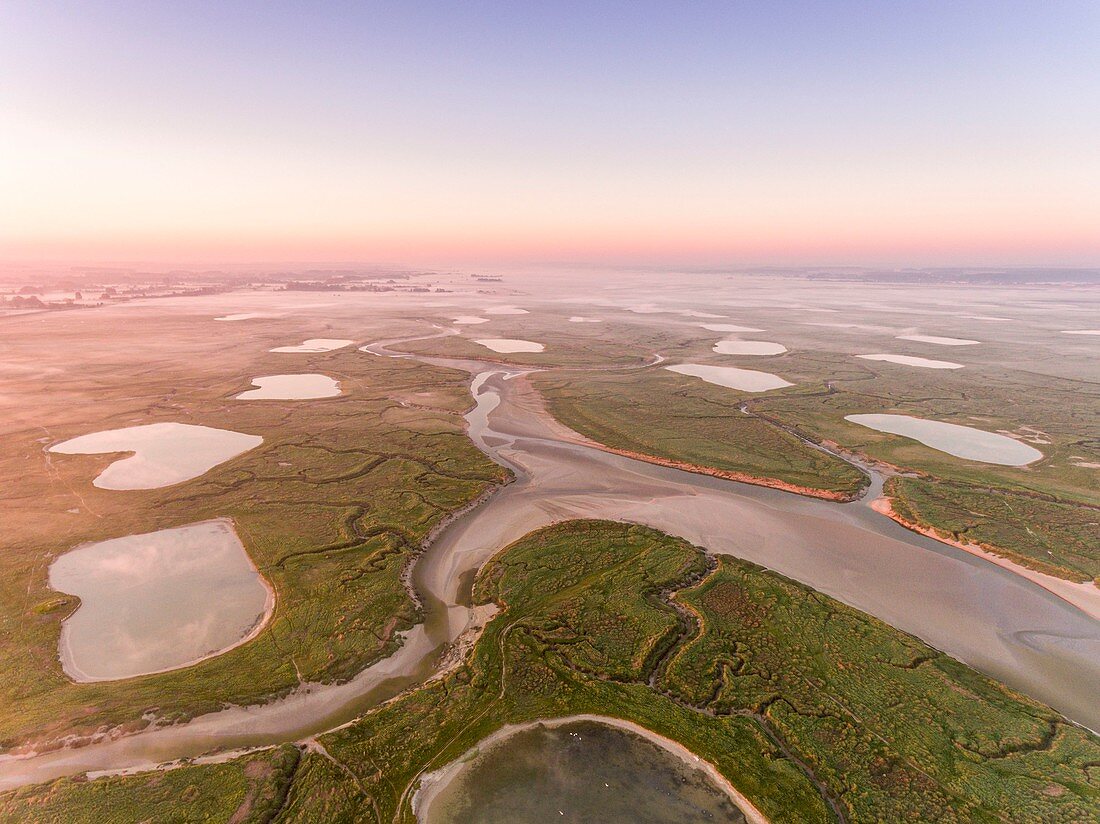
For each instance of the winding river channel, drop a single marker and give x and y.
(982, 614)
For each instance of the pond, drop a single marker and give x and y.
(316, 345)
(910, 360)
(954, 439)
(158, 601)
(747, 380)
(291, 388)
(749, 347)
(507, 345)
(581, 771)
(939, 341)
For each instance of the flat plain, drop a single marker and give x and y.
(809, 708)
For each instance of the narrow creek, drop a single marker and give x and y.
(980, 613)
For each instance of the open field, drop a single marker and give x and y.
(657, 413)
(812, 710)
(1021, 380)
(330, 507)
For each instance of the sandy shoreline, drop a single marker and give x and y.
(569, 435)
(431, 784)
(1084, 596)
(739, 477)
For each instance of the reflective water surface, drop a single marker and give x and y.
(954, 439)
(747, 380)
(164, 453)
(909, 360)
(510, 345)
(157, 601)
(987, 616)
(581, 772)
(291, 388)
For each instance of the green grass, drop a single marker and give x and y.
(248, 790)
(655, 413)
(331, 508)
(809, 707)
(658, 413)
(1057, 538)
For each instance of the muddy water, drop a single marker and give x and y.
(982, 614)
(580, 772)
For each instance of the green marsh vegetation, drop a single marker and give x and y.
(331, 507)
(813, 710)
(758, 434)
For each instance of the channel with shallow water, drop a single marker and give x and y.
(989, 617)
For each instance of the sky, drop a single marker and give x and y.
(445, 133)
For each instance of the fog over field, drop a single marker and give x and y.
(450, 413)
(390, 469)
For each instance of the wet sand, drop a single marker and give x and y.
(1084, 595)
(985, 615)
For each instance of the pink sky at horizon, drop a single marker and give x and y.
(744, 134)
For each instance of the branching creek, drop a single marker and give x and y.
(978, 612)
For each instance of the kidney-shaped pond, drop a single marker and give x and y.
(954, 439)
(164, 453)
(291, 388)
(581, 771)
(158, 601)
